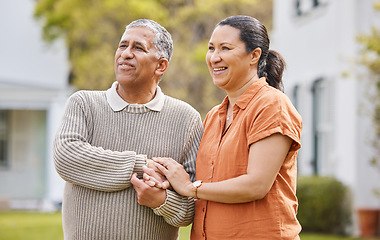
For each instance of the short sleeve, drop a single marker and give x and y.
(275, 114)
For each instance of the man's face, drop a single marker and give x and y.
(136, 58)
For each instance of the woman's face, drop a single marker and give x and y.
(229, 64)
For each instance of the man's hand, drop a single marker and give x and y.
(152, 197)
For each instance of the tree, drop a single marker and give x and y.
(371, 59)
(92, 30)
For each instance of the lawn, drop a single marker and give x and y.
(37, 226)
(31, 226)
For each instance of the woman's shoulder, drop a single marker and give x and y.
(212, 115)
(269, 96)
(274, 102)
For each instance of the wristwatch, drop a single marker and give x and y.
(196, 185)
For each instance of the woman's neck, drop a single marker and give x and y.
(234, 95)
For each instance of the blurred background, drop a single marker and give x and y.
(51, 48)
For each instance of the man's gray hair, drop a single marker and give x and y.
(162, 41)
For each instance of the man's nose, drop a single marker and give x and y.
(127, 53)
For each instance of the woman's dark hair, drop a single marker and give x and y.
(254, 34)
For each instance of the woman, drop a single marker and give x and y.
(246, 163)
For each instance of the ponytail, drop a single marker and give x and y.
(272, 68)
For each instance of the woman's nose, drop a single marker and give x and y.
(215, 57)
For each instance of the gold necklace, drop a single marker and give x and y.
(230, 115)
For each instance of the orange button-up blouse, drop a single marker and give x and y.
(260, 112)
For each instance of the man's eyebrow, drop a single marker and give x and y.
(135, 43)
(140, 44)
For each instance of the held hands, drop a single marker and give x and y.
(151, 189)
(153, 176)
(177, 176)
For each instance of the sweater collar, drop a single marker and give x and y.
(118, 104)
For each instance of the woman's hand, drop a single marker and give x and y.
(176, 174)
(153, 177)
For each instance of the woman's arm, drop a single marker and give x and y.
(265, 160)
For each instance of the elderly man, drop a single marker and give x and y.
(107, 137)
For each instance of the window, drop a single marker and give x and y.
(4, 126)
(295, 101)
(295, 96)
(322, 126)
(298, 8)
(303, 7)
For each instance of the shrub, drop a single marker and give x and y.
(324, 205)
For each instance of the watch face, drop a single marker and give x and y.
(197, 183)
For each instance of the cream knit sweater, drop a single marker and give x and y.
(96, 150)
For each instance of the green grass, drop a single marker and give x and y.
(31, 226)
(37, 226)
(184, 233)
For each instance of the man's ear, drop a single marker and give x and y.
(255, 56)
(162, 65)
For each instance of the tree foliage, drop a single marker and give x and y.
(371, 59)
(92, 30)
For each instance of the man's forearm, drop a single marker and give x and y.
(104, 170)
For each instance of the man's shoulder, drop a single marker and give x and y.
(87, 99)
(87, 94)
(179, 105)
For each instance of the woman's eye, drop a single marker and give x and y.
(225, 48)
(210, 48)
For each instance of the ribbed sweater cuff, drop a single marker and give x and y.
(170, 206)
(139, 163)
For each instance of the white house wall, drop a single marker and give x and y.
(24, 178)
(55, 185)
(33, 78)
(321, 44)
(25, 58)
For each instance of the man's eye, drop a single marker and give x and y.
(123, 46)
(139, 48)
